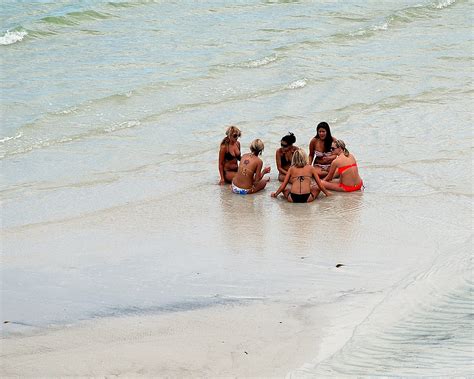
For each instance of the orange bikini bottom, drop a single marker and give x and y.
(351, 188)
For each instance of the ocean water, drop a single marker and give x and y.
(111, 118)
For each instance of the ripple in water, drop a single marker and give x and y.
(424, 327)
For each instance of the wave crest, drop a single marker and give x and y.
(3, 140)
(261, 62)
(11, 37)
(298, 84)
(443, 4)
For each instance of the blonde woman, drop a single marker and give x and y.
(249, 178)
(346, 166)
(229, 155)
(301, 174)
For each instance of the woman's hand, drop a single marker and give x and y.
(221, 182)
(273, 194)
(266, 170)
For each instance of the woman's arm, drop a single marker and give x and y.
(280, 169)
(318, 182)
(311, 151)
(221, 164)
(327, 159)
(331, 172)
(259, 172)
(283, 185)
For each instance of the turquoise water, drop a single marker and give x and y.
(112, 105)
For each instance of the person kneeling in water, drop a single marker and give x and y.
(249, 178)
(301, 173)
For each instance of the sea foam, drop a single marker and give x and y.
(5, 139)
(12, 37)
(261, 62)
(443, 4)
(297, 84)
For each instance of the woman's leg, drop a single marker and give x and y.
(332, 186)
(260, 185)
(315, 191)
(229, 175)
(321, 173)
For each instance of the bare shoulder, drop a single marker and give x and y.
(246, 158)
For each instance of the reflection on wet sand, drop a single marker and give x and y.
(260, 223)
(243, 221)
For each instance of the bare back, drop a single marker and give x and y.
(249, 165)
(347, 168)
(301, 178)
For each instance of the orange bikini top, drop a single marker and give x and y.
(344, 168)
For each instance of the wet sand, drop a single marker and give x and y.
(150, 290)
(262, 339)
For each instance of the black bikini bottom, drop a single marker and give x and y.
(300, 197)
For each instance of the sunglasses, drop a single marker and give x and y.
(235, 135)
(333, 148)
(283, 145)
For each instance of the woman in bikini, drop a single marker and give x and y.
(301, 173)
(249, 178)
(346, 165)
(284, 154)
(229, 155)
(320, 155)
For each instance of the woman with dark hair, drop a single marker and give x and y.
(301, 174)
(229, 155)
(320, 155)
(346, 166)
(249, 178)
(284, 154)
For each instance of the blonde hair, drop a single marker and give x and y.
(257, 146)
(299, 159)
(340, 143)
(231, 130)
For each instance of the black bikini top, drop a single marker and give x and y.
(301, 179)
(229, 157)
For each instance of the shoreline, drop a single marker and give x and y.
(258, 339)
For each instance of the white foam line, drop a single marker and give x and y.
(19, 135)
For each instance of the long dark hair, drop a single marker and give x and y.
(328, 139)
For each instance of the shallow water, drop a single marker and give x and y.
(111, 119)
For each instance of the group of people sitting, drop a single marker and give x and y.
(329, 166)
